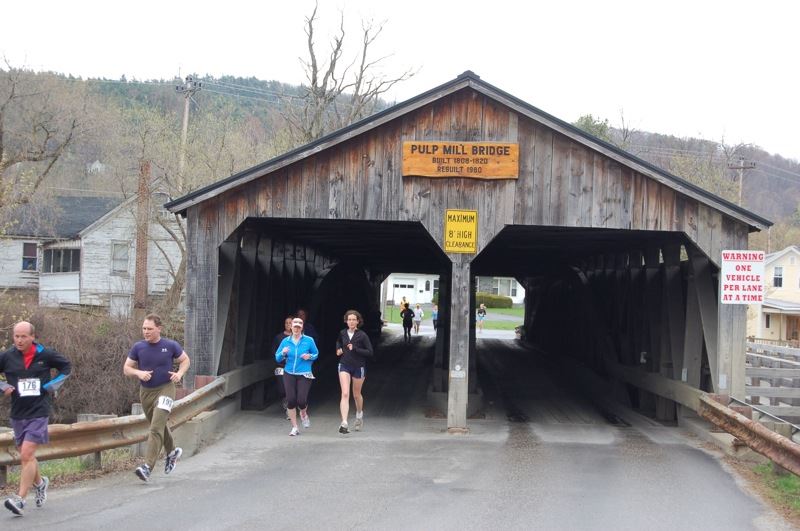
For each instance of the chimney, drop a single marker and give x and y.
(142, 224)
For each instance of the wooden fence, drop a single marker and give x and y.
(773, 374)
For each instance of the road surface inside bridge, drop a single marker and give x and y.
(539, 457)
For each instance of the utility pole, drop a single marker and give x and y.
(743, 165)
(188, 89)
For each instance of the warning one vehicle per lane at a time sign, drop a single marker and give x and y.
(742, 277)
(478, 160)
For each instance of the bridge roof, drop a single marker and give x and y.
(470, 80)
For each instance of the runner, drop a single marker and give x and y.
(27, 367)
(481, 316)
(299, 351)
(151, 361)
(353, 347)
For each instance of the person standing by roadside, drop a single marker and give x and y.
(299, 351)
(353, 347)
(435, 317)
(418, 315)
(151, 361)
(481, 316)
(27, 368)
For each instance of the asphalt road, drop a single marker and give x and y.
(540, 458)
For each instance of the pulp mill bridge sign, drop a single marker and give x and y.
(478, 160)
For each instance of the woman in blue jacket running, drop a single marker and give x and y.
(299, 351)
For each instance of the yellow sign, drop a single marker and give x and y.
(461, 231)
(477, 160)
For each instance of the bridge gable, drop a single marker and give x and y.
(563, 181)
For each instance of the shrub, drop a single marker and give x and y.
(493, 301)
(97, 345)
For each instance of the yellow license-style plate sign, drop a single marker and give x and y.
(461, 231)
(476, 160)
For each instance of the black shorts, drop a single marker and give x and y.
(356, 372)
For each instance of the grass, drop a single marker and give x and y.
(516, 312)
(783, 489)
(70, 467)
(500, 325)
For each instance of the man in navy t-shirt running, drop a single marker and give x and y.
(152, 361)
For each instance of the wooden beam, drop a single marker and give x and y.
(460, 321)
(228, 258)
(692, 337)
(675, 305)
(707, 303)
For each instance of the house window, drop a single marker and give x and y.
(777, 277)
(435, 287)
(513, 288)
(62, 260)
(119, 257)
(29, 257)
(427, 285)
(503, 286)
(766, 321)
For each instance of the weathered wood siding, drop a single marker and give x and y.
(99, 282)
(11, 273)
(562, 183)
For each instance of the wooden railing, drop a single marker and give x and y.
(81, 438)
(774, 374)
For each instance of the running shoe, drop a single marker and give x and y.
(143, 472)
(172, 459)
(41, 491)
(305, 420)
(359, 423)
(343, 428)
(16, 505)
(295, 432)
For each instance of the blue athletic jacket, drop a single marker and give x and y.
(294, 363)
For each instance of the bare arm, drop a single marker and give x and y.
(131, 368)
(183, 366)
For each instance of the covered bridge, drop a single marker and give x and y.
(619, 258)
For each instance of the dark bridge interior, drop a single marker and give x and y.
(591, 294)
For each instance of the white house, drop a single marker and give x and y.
(420, 288)
(415, 287)
(31, 226)
(778, 318)
(93, 263)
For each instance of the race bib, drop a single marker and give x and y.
(29, 387)
(165, 403)
(279, 371)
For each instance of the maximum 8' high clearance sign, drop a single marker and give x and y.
(461, 231)
(741, 279)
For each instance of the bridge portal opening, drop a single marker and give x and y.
(604, 299)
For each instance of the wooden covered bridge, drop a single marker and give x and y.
(619, 258)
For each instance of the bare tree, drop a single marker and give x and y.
(37, 126)
(338, 95)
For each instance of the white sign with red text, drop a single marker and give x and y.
(741, 279)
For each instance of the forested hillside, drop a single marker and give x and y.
(106, 127)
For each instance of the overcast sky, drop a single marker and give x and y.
(703, 68)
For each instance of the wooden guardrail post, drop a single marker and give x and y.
(3, 475)
(94, 460)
